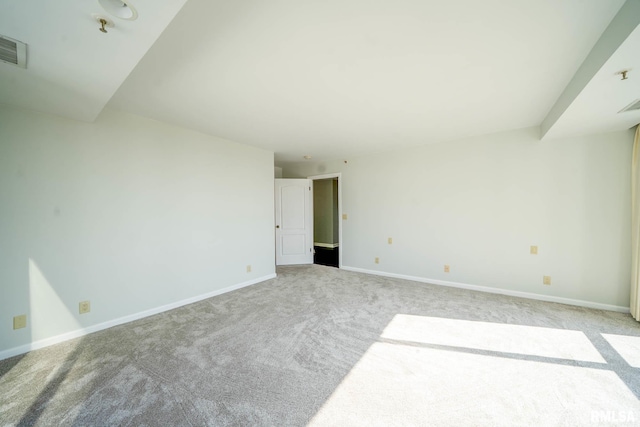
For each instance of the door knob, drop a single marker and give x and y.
(277, 226)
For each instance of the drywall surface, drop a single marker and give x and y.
(480, 203)
(128, 213)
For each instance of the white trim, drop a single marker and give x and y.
(125, 319)
(340, 220)
(326, 245)
(325, 176)
(540, 297)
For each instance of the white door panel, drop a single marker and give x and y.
(293, 244)
(293, 204)
(294, 222)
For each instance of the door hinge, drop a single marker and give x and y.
(309, 188)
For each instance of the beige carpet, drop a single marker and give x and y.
(320, 346)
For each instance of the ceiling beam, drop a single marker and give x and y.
(622, 25)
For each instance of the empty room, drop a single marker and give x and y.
(304, 213)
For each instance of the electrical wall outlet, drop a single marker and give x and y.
(390, 240)
(446, 268)
(20, 321)
(84, 307)
(344, 216)
(533, 250)
(546, 280)
(377, 260)
(249, 268)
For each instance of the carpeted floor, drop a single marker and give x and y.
(322, 346)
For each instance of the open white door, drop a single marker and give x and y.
(294, 222)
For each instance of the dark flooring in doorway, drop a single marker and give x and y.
(326, 256)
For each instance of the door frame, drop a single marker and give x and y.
(339, 176)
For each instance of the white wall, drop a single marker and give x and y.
(126, 212)
(478, 204)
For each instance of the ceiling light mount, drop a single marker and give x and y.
(103, 21)
(307, 157)
(623, 73)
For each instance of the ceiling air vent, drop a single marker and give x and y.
(635, 105)
(13, 52)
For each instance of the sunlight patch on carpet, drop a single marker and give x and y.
(627, 346)
(395, 384)
(516, 339)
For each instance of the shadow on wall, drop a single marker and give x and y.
(49, 312)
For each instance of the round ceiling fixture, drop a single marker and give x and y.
(120, 9)
(307, 157)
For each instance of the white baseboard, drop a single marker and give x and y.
(125, 319)
(549, 298)
(326, 245)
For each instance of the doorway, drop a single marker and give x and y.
(327, 230)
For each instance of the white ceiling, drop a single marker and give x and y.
(332, 79)
(73, 69)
